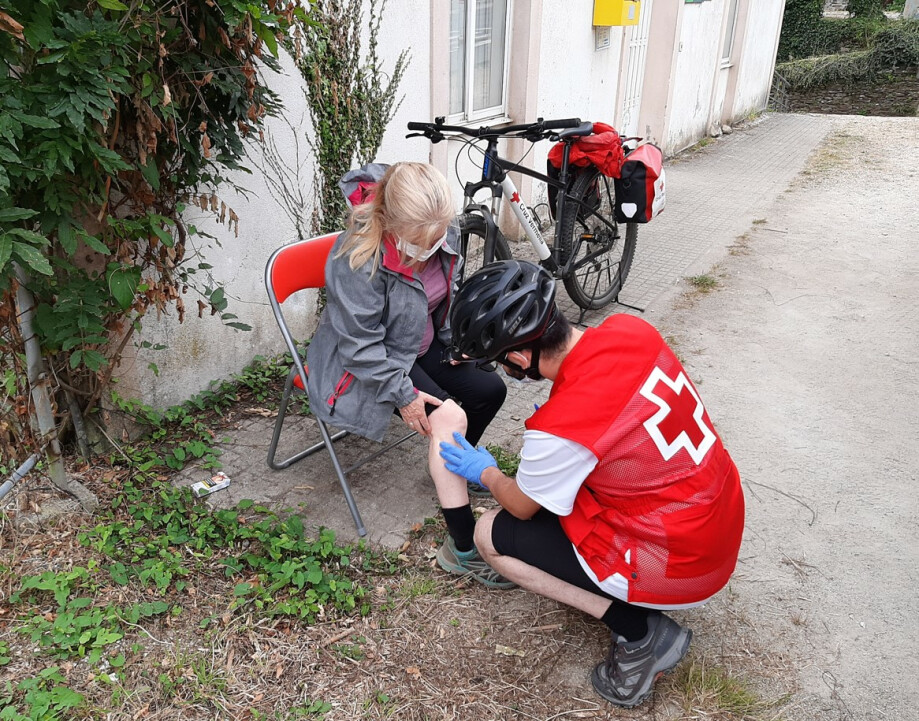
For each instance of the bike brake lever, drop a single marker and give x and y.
(434, 137)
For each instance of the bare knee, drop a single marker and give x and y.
(446, 419)
(483, 534)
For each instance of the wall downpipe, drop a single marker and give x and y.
(43, 411)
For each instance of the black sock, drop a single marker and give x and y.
(461, 526)
(630, 622)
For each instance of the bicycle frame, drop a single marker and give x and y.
(495, 177)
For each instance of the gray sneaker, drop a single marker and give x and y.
(470, 563)
(625, 678)
(476, 491)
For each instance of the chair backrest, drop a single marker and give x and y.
(298, 266)
(294, 267)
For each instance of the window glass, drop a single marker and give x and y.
(728, 45)
(478, 57)
(457, 55)
(490, 40)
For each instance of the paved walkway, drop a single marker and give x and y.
(714, 195)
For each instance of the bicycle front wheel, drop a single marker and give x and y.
(473, 246)
(603, 249)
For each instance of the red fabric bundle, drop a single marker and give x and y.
(363, 194)
(603, 149)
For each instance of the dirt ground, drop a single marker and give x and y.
(805, 358)
(803, 354)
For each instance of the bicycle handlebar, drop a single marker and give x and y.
(561, 124)
(534, 131)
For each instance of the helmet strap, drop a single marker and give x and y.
(532, 372)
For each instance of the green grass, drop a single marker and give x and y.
(508, 462)
(716, 690)
(703, 283)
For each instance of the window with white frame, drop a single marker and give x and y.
(728, 45)
(479, 52)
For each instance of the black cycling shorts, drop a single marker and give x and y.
(541, 542)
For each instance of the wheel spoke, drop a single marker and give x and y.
(601, 264)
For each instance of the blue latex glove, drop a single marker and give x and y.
(467, 461)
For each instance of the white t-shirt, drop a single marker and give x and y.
(551, 472)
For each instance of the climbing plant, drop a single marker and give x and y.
(113, 117)
(351, 98)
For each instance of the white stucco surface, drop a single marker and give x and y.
(693, 81)
(759, 47)
(407, 25)
(554, 58)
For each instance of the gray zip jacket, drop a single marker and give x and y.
(369, 336)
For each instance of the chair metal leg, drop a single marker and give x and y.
(379, 452)
(342, 478)
(279, 423)
(327, 442)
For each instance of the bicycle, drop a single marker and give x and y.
(588, 252)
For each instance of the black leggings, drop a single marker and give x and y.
(480, 392)
(541, 542)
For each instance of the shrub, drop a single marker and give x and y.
(897, 45)
(112, 117)
(802, 31)
(870, 9)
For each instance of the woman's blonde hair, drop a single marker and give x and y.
(412, 200)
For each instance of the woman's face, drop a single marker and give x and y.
(412, 236)
(419, 247)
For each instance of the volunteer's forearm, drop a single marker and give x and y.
(506, 492)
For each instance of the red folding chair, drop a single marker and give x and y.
(291, 268)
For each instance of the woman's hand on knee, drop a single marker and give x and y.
(414, 416)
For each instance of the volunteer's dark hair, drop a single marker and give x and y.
(505, 306)
(555, 337)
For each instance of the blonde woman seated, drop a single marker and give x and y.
(383, 340)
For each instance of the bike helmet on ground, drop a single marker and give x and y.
(503, 306)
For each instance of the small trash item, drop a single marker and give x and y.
(217, 482)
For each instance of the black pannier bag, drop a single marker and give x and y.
(640, 192)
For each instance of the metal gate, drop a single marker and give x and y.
(635, 71)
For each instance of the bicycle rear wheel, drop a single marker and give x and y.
(603, 249)
(473, 228)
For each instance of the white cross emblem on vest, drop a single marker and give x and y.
(669, 448)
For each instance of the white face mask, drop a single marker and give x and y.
(416, 252)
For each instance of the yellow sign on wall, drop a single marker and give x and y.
(616, 12)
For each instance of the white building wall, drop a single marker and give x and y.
(576, 80)
(204, 349)
(759, 46)
(407, 24)
(699, 56)
(572, 79)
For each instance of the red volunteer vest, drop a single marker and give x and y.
(663, 506)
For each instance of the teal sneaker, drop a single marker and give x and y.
(470, 563)
(476, 491)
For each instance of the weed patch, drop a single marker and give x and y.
(704, 283)
(507, 462)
